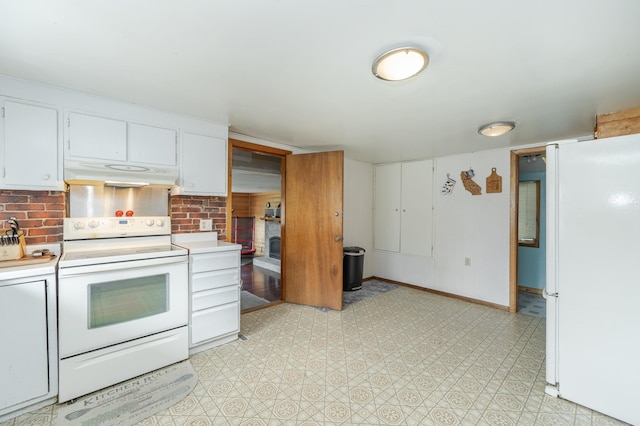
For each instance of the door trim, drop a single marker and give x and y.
(513, 221)
(262, 149)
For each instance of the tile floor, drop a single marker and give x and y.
(404, 357)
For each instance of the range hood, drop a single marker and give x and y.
(123, 175)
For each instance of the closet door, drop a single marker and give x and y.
(387, 207)
(417, 208)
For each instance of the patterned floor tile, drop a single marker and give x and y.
(402, 357)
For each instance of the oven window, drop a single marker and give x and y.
(115, 302)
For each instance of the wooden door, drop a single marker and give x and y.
(313, 229)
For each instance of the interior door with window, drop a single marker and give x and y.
(313, 229)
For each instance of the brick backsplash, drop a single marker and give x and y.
(39, 214)
(187, 210)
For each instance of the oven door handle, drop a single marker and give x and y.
(119, 266)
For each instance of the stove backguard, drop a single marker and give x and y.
(105, 201)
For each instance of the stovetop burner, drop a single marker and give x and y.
(94, 241)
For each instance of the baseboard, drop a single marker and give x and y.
(444, 293)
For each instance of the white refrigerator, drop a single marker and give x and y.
(593, 274)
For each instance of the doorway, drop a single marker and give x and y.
(254, 209)
(527, 271)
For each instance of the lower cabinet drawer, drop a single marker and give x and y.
(215, 322)
(213, 261)
(210, 298)
(214, 279)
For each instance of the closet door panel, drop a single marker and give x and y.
(387, 207)
(417, 208)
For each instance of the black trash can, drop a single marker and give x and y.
(352, 264)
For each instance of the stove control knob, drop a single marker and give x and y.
(160, 222)
(148, 222)
(93, 223)
(78, 225)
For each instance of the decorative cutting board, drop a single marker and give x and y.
(26, 260)
(494, 182)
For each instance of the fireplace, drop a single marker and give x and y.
(271, 231)
(271, 258)
(274, 247)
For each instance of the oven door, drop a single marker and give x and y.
(106, 304)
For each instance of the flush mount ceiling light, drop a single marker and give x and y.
(497, 129)
(400, 64)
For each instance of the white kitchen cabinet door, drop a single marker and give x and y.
(96, 137)
(387, 207)
(30, 146)
(213, 323)
(24, 368)
(152, 145)
(404, 207)
(417, 208)
(204, 165)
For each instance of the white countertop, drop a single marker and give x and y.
(203, 242)
(33, 269)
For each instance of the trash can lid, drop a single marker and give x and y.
(354, 249)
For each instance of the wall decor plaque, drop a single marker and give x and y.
(468, 182)
(494, 182)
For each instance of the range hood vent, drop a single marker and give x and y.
(122, 175)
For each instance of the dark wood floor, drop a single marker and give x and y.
(259, 281)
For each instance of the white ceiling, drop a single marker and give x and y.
(299, 72)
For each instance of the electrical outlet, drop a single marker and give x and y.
(467, 261)
(206, 224)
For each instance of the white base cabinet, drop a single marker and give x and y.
(214, 288)
(28, 358)
(215, 298)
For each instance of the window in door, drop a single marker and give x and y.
(529, 213)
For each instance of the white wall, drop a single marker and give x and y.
(358, 210)
(465, 226)
(474, 227)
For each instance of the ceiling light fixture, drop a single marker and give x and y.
(400, 64)
(498, 128)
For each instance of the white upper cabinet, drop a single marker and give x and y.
(152, 145)
(403, 218)
(96, 137)
(29, 143)
(204, 165)
(99, 138)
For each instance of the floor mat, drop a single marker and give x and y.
(249, 300)
(369, 289)
(132, 401)
(532, 304)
